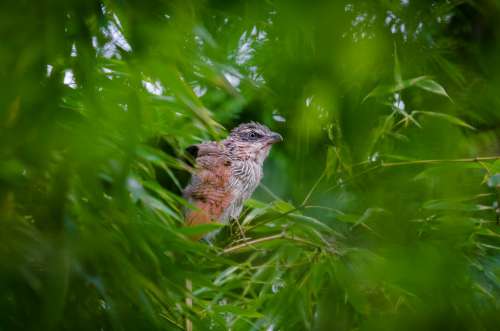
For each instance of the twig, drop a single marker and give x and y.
(313, 188)
(338, 211)
(268, 191)
(478, 159)
(270, 238)
(299, 207)
(472, 159)
(252, 242)
(352, 177)
(241, 229)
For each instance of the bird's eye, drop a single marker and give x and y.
(252, 135)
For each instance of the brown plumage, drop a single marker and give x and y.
(209, 190)
(227, 172)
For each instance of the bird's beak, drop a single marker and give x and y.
(275, 138)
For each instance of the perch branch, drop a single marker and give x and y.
(284, 236)
(252, 242)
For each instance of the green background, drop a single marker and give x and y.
(379, 211)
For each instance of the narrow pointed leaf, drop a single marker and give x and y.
(450, 118)
(432, 86)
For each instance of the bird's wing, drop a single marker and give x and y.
(209, 189)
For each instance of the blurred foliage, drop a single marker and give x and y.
(380, 211)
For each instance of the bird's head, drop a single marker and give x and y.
(252, 141)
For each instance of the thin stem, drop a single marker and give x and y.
(279, 236)
(472, 159)
(302, 205)
(478, 159)
(268, 191)
(252, 242)
(352, 177)
(313, 188)
(338, 211)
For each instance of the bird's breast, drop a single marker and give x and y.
(245, 177)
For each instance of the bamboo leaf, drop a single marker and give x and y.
(457, 205)
(383, 90)
(446, 117)
(432, 86)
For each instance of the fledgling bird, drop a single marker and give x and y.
(227, 172)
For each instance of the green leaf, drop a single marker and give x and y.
(454, 205)
(347, 218)
(432, 86)
(311, 221)
(382, 90)
(488, 233)
(252, 203)
(366, 216)
(237, 311)
(450, 118)
(440, 170)
(200, 229)
(423, 82)
(282, 206)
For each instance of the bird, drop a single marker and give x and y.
(227, 172)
